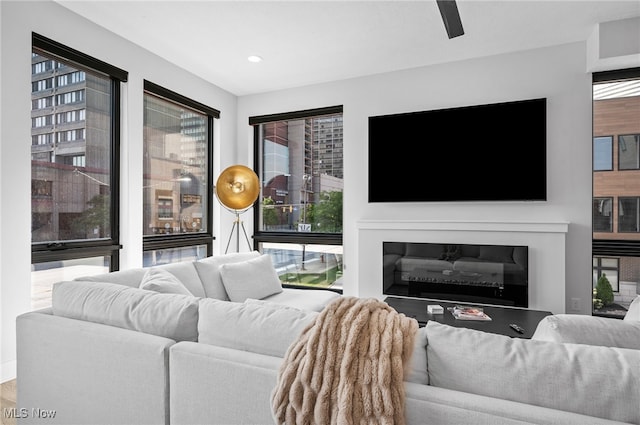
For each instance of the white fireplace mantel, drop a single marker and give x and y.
(459, 225)
(546, 241)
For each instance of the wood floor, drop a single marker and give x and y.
(7, 402)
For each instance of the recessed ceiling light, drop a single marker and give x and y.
(254, 58)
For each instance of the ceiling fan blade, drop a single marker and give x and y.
(450, 17)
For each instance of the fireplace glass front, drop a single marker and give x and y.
(487, 274)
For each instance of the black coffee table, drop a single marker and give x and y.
(501, 317)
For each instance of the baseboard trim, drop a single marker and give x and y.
(8, 371)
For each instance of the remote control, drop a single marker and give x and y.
(516, 328)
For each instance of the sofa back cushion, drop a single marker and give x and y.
(131, 277)
(258, 327)
(171, 316)
(591, 380)
(184, 271)
(580, 329)
(209, 271)
(633, 314)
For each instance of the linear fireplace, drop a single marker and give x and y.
(488, 274)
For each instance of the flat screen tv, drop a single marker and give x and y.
(493, 152)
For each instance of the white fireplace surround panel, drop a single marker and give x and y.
(546, 242)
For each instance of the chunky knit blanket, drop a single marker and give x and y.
(347, 367)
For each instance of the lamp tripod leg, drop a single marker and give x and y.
(235, 223)
(246, 237)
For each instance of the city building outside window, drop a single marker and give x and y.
(616, 190)
(298, 219)
(177, 180)
(74, 186)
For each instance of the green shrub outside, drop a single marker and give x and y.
(604, 291)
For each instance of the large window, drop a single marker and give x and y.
(74, 167)
(616, 191)
(177, 181)
(299, 159)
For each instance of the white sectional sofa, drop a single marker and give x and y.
(112, 353)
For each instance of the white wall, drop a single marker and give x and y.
(18, 20)
(557, 73)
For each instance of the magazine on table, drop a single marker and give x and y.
(465, 312)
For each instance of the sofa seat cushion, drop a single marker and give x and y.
(171, 316)
(304, 299)
(263, 328)
(590, 380)
(578, 329)
(209, 271)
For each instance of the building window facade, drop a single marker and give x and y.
(616, 187)
(74, 187)
(628, 214)
(298, 220)
(603, 153)
(177, 177)
(602, 214)
(629, 152)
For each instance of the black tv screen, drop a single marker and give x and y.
(494, 152)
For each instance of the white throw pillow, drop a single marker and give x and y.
(209, 271)
(162, 281)
(591, 330)
(256, 278)
(633, 314)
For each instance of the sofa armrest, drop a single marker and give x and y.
(90, 373)
(590, 330)
(219, 385)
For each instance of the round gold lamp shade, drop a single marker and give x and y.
(238, 187)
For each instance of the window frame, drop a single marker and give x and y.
(259, 236)
(302, 238)
(637, 214)
(637, 158)
(183, 240)
(42, 252)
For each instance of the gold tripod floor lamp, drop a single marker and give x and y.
(237, 188)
